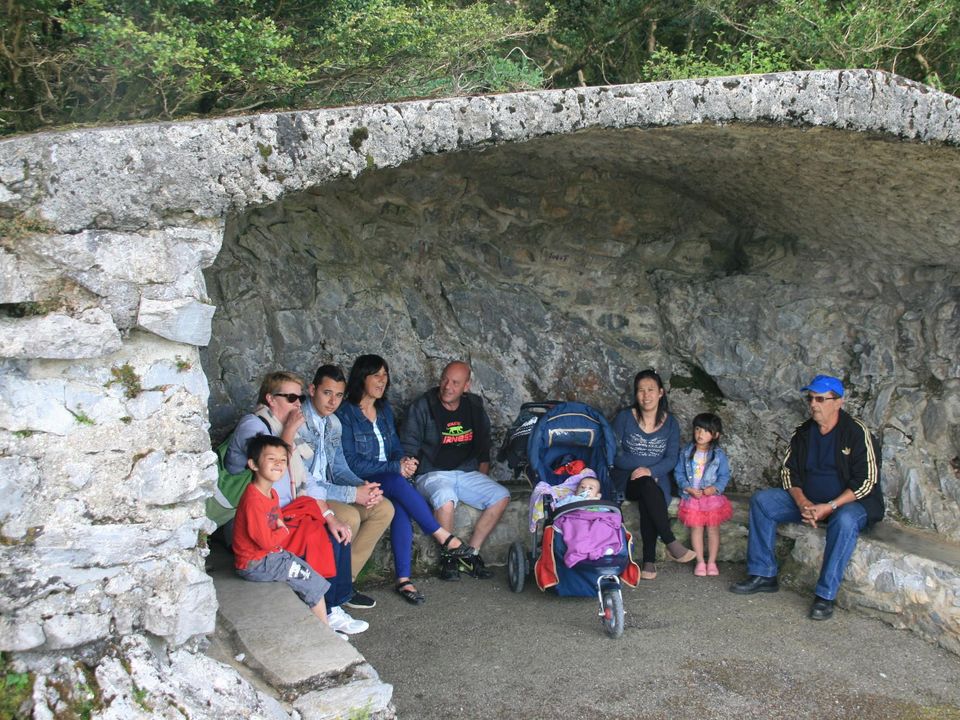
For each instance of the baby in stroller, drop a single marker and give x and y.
(587, 489)
(584, 550)
(590, 531)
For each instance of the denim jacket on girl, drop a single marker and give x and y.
(716, 473)
(360, 446)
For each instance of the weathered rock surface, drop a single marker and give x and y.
(906, 577)
(737, 233)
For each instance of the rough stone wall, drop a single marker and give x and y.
(562, 266)
(103, 404)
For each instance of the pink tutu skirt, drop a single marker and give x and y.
(706, 511)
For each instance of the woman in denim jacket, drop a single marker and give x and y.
(373, 451)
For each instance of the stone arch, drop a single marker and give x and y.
(796, 186)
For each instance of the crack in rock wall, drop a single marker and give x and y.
(735, 232)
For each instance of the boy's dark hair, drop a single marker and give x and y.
(713, 425)
(334, 372)
(363, 367)
(257, 444)
(663, 406)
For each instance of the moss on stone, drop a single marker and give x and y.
(126, 376)
(357, 137)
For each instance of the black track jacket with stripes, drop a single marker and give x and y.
(858, 462)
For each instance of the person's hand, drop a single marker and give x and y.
(369, 494)
(293, 422)
(694, 492)
(340, 530)
(639, 473)
(709, 490)
(408, 467)
(816, 513)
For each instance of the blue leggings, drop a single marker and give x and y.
(407, 504)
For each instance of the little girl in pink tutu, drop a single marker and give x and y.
(702, 474)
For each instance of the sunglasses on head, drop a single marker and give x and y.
(291, 397)
(819, 398)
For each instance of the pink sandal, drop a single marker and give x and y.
(712, 569)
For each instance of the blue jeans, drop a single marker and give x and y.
(341, 584)
(407, 504)
(770, 507)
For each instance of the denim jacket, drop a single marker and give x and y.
(339, 481)
(360, 445)
(716, 473)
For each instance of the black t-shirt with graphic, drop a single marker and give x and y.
(456, 437)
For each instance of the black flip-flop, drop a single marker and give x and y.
(408, 592)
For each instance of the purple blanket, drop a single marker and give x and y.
(589, 535)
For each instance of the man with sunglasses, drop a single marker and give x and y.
(831, 478)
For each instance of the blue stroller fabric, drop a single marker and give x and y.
(576, 430)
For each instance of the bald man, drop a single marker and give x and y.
(448, 431)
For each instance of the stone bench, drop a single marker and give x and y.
(274, 641)
(907, 577)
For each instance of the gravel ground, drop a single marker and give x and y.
(691, 649)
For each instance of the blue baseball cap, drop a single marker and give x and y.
(823, 384)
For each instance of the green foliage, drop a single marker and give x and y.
(614, 41)
(916, 38)
(15, 691)
(140, 698)
(717, 57)
(130, 59)
(22, 434)
(115, 60)
(183, 365)
(81, 417)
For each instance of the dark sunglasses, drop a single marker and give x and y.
(291, 397)
(819, 398)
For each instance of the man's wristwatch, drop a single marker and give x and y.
(328, 512)
(833, 505)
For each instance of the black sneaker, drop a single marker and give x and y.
(474, 566)
(359, 601)
(448, 568)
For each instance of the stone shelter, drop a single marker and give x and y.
(738, 234)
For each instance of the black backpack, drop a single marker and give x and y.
(514, 448)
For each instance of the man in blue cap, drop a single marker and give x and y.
(831, 477)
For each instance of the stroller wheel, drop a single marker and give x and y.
(516, 567)
(611, 611)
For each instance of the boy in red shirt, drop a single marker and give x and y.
(260, 537)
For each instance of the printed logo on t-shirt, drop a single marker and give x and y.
(273, 516)
(645, 446)
(456, 433)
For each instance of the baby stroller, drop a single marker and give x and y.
(567, 438)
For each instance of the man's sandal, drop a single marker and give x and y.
(407, 590)
(460, 551)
